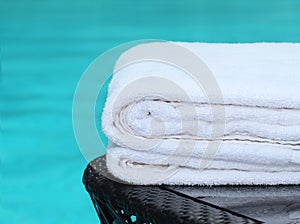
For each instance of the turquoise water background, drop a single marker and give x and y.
(45, 48)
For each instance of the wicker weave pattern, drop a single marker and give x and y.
(116, 203)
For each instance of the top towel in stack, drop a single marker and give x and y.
(161, 136)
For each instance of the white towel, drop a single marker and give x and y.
(161, 136)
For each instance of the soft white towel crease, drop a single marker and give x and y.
(260, 84)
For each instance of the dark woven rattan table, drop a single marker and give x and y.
(117, 202)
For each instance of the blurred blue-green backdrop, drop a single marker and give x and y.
(46, 46)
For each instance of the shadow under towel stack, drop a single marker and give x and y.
(151, 128)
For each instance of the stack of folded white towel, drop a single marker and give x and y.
(160, 136)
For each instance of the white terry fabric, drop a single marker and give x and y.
(260, 84)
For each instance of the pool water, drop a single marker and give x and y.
(46, 46)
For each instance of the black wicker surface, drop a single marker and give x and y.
(270, 204)
(123, 203)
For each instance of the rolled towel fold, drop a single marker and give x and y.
(239, 123)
